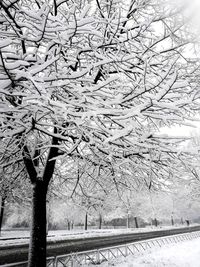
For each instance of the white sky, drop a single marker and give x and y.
(181, 130)
(191, 8)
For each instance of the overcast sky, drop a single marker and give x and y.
(191, 8)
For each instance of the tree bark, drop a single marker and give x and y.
(3, 199)
(127, 221)
(37, 248)
(86, 221)
(68, 225)
(136, 222)
(172, 220)
(100, 221)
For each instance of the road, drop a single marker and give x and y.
(17, 253)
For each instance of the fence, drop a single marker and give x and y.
(98, 256)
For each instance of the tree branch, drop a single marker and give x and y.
(51, 161)
(29, 164)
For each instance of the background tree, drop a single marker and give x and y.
(65, 214)
(12, 179)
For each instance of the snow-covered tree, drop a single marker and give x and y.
(65, 213)
(18, 215)
(92, 81)
(12, 183)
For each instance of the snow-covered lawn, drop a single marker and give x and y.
(21, 237)
(183, 254)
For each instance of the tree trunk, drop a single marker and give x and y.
(37, 247)
(172, 220)
(100, 221)
(86, 221)
(187, 222)
(68, 225)
(154, 222)
(3, 199)
(136, 222)
(127, 221)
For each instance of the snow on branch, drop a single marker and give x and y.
(104, 75)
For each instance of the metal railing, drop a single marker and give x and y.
(106, 254)
(98, 256)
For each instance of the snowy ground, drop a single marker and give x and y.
(183, 254)
(21, 237)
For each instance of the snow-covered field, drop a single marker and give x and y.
(21, 237)
(184, 254)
